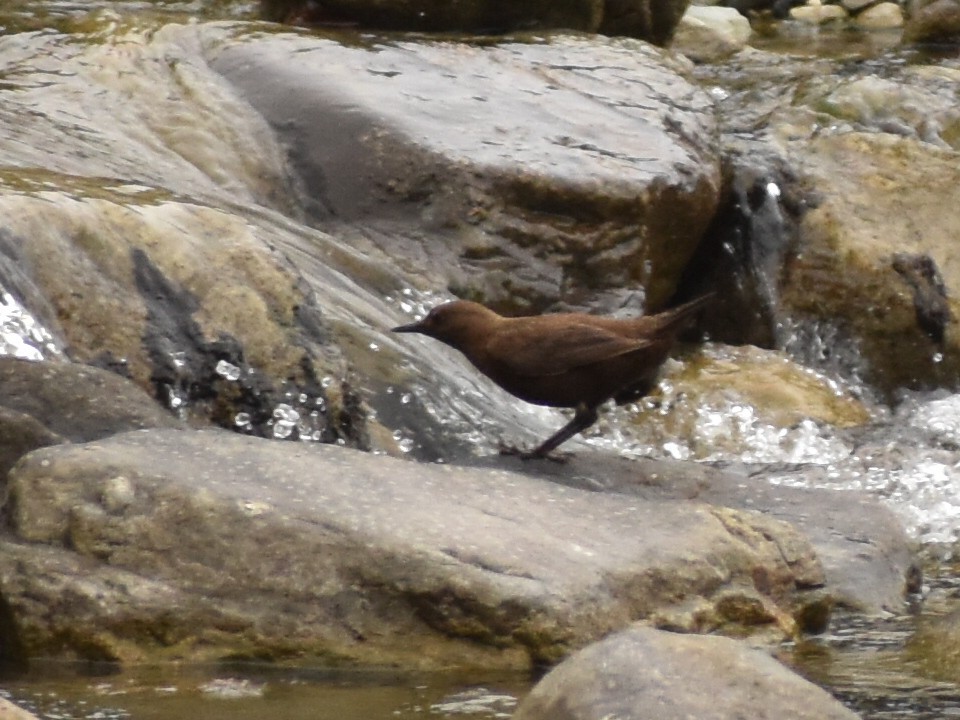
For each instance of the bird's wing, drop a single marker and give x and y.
(554, 353)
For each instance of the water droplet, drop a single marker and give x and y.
(285, 413)
(719, 93)
(406, 398)
(374, 347)
(326, 382)
(676, 451)
(227, 370)
(938, 357)
(242, 420)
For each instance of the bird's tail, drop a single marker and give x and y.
(677, 317)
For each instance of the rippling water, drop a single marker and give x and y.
(57, 691)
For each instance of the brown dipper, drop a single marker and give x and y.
(562, 360)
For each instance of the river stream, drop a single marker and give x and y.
(908, 456)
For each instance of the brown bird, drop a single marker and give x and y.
(569, 360)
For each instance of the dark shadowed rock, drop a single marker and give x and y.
(322, 552)
(929, 293)
(477, 16)
(645, 674)
(933, 21)
(78, 402)
(45, 403)
(653, 20)
(19, 434)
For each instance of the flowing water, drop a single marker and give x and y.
(58, 691)
(908, 456)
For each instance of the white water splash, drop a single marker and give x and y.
(21, 335)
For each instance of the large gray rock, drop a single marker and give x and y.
(645, 674)
(476, 167)
(248, 548)
(188, 232)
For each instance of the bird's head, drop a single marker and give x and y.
(455, 323)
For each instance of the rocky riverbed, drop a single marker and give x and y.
(214, 451)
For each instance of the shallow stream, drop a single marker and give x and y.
(909, 457)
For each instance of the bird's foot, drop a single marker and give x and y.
(514, 451)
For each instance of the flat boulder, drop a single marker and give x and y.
(256, 549)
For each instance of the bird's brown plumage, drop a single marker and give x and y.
(560, 360)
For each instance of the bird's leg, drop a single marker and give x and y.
(584, 417)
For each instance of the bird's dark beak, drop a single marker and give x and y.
(411, 328)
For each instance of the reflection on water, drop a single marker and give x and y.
(29, 15)
(57, 691)
(876, 666)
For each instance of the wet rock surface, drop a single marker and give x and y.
(854, 167)
(643, 674)
(869, 296)
(501, 192)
